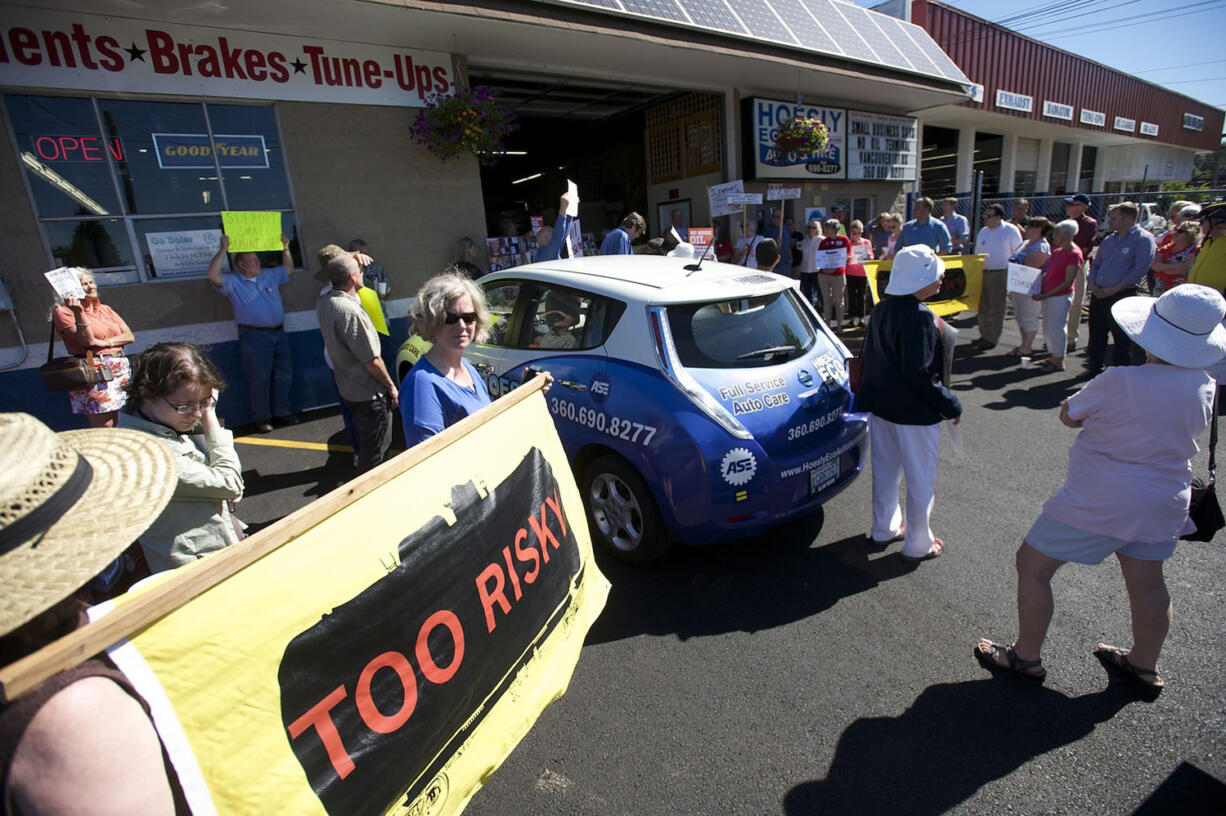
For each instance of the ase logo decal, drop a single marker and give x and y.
(598, 388)
(738, 467)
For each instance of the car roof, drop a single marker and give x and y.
(650, 278)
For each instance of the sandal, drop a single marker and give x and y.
(986, 652)
(935, 551)
(1016, 351)
(1114, 659)
(1048, 365)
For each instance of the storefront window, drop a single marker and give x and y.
(137, 187)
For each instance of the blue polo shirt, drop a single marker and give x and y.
(256, 301)
(1122, 258)
(617, 242)
(931, 233)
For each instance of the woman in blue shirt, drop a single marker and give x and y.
(443, 388)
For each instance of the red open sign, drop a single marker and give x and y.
(77, 148)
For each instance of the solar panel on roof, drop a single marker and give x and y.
(660, 9)
(933, 52)
(810, 34)
(821, 26)
(713, 16)
(923, 64)
(853, 45)
(864, 25)
(760, 19)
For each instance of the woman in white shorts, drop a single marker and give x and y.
(1126, 492)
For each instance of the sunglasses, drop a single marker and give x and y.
(454, 318)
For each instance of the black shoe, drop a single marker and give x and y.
(288, 419)
(262, 427)
(984, 345)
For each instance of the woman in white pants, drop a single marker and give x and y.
(1056, 295)
(901, 387)
(1034, 252)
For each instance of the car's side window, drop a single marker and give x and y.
(563, 319)
(500, 300)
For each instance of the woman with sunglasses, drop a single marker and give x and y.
(172, 395)
(442, 387)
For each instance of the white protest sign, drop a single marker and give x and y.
(1024, 279)
(572, 194)
(717, 197)
(574, 239)
(65, 283)
(859, 253)
(775, 193)
(744, 198)
(831, 258)
(185, 252)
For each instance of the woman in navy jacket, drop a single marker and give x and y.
(901, 387)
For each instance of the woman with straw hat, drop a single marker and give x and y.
(1129, 481)
(83, 740)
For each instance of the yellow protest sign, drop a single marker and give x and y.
(373, 308)
(959, 289)
(382, 650)
(252, 231)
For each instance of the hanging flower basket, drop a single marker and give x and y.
(801, 135)
(470, 121)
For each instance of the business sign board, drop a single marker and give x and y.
(84, 52)
(764, 117)
(880, 147)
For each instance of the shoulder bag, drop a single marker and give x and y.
(71, 373)
(1204, 509)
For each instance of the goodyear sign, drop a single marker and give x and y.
(183, 151)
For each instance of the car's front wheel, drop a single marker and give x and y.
(621, 511)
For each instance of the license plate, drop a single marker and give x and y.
(824, 476)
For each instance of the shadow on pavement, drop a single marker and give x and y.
(1188, 791)
(748, 586)
(954, 739)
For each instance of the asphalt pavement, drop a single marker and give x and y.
(810, 671)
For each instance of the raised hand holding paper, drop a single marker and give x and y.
(65, 283)
(252, 231)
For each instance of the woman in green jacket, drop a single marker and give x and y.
(173, 395)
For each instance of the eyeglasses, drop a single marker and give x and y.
(454, 318)
(191, 407)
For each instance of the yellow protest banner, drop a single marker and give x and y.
(959, 289)
(382, 650)
(373, 308)
(252, 231)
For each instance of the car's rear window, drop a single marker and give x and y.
(741, 332)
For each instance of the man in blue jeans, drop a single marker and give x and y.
(263, 347)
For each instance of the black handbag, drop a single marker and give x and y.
(71, 373)
(1204, 509)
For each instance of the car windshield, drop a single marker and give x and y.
(742, 332)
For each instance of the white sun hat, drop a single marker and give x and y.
(1183, 327)
(914, 268)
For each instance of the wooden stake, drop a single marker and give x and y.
(185, 584)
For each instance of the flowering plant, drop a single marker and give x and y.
(801, 135)
(470, 121)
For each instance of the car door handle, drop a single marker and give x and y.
(485, 368)
(572, 385)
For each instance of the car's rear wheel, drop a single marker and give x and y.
(621, 511)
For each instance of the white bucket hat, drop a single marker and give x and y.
(914, 268)
(1183, 327)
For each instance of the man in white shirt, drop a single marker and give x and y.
(998, 240)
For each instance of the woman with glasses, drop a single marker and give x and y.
(173, 395)
(442, 387)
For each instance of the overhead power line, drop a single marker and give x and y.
(1191, 8)
(1175, 67)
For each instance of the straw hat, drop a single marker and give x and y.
(914, 268)
(1183, 327)
(69, 504)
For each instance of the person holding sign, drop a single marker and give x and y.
(902, 389)
(86, 324)
(1034, 253)
(857, 278)
(832, 275)
(263, 346)
(551, 240)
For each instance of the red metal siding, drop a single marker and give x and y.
(998, 58)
